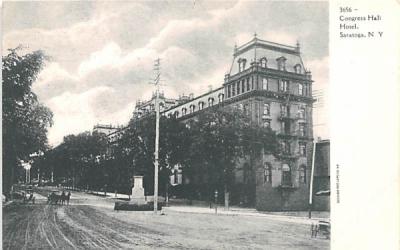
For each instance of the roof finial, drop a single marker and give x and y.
(255, 35)
(236, 48)
(297, 46)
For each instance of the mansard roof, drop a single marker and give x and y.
(256, 49)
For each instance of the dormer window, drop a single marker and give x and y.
(201, 105)
(242, 64)
(297, 69)
(210, 102)
(281, 63)
(192, 108)
(220, 98)
(263, 62)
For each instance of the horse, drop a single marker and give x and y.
(54, 198)
(63, 198)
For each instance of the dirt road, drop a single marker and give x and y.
(90, 223)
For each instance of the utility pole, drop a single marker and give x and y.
(156, 83)
(312, 180)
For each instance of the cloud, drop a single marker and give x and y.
(103, 52)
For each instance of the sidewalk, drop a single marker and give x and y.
(242, 212)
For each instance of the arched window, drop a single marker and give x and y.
(263, 62)
(192, 108)
(176, 114)
(220, 98)
(265, 83)
(286, 175)
(184, 110)
(201, 105)
(302, 174)
(267, 109)
(210, 102)
(267, 172)
(297, 69)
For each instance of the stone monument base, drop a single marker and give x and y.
(137, 201)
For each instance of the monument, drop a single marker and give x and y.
(137, 196)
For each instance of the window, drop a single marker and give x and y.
(229, 91)
(297, 69)
(233, 90)
(286, 175)
(302, 148)
(242, 64)
(248, 84)
(281, 63)
(267, 172)
(252, 82)
(284, 85)
(210, 102)
(265, 83)
(302, 113)
(301, 89)
(302, 129)
(302, 174)
(263, 62)
(201, 105)
(184, 110)
(246, 109)
(285, 110)
(192, 108)
(176, 114)
(176, 176)
(238, 87)
(221, 97)
(267, 123)
(243, 87)
(267, 109)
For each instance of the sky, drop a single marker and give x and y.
(102, 53)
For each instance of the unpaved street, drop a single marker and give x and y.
(89, 222)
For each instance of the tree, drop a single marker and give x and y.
(25, 119)
(220, 138)
(138, 144)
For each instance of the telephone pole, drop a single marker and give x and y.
(156, 82)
